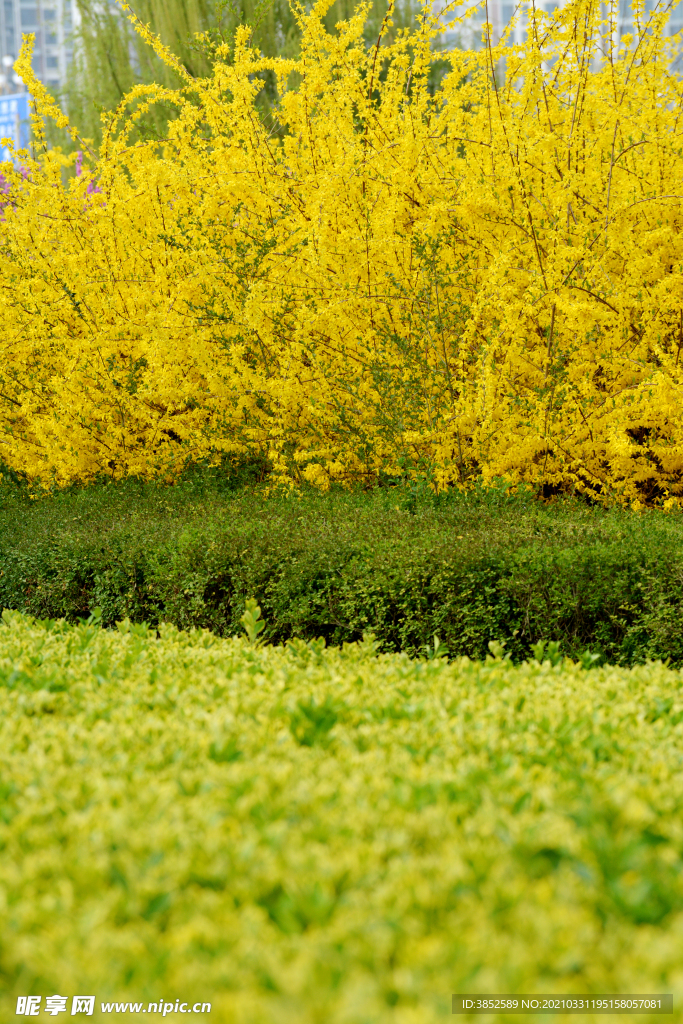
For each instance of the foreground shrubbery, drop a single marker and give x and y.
(307, 835)
(482, 281)
(470, 568)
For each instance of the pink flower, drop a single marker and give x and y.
(79, 170)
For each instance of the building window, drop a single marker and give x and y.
(29, 17)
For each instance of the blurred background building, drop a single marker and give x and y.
(52, 23)
(468, 36)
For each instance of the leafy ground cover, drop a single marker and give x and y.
(471, 568)
(306, 834)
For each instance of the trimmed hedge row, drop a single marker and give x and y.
(471, 570)
(302, 835)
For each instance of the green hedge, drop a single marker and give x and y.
(299, 836)
(470, 569)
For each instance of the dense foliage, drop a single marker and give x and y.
(110, 57)
(473, 568)
(482, 279)
(306, 835)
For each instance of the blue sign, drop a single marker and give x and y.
(15, 122)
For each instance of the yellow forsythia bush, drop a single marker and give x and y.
(483, 281)
(301, 835)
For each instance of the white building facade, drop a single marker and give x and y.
(501, 12)
(51, 23)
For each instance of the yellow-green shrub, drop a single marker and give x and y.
(313, 835)
(486, 281)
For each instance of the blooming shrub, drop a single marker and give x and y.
(301, 834)
(483, 281)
